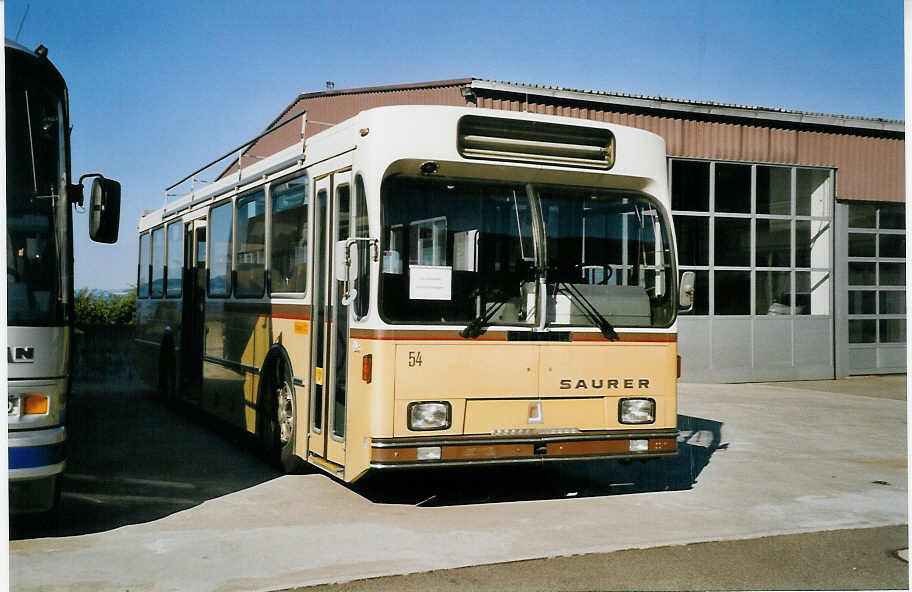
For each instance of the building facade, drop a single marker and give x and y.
(794, 223)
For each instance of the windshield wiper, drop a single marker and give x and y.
(480, 324)
(592, 313)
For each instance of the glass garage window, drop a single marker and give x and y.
(812, 192)
(690, 186)
(693, 239)
(862, 215)
(862, 331)
(774, 190)
(774, 243)
(774, 293)
(732, 292)
(892, 217)
(733, 188)
(892, 274)
(862, 245)
(891, 302)
(892, 246)
(733, 240)
(764, 241)
(877, 281)
(862, 303)
(862, 273)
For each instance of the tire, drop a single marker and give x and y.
(278, 433)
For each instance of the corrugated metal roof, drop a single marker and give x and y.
(685, 101)
(695, 107)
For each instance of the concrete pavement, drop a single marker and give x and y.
(756, 460)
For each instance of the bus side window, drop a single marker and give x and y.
(362, 229)
(157, 289)
(251, 245)
(288, 262)
(174, 270)
(142, 282)
(220, 250)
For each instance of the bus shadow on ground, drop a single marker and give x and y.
(133, 459)
(699, 439)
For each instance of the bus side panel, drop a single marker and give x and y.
(370, 405)
(154, 319)
(223, 381)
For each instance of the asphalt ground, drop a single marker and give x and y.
(156, 499)
(864, 559)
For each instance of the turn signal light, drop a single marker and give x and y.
(367, 368)
(35, 404)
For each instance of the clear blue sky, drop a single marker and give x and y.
(159, 88)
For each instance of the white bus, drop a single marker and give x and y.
(39, 271)
(425, 286)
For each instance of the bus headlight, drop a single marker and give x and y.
(429, 416)
(632, 411)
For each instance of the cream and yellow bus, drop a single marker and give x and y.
(425, 286)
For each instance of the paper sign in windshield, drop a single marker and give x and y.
(430, 282)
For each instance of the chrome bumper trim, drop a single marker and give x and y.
(539, 438)
(40, 437)
(525, 460)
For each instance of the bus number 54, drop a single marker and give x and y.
(414, 359)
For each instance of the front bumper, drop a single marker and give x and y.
(35, 454)
(387, 453)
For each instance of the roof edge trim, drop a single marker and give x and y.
(386, 88)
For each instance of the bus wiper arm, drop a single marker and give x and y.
(479, 324)
(595, 317)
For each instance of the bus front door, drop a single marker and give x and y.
(332, 222)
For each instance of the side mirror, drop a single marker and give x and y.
(104, 210)
(346, 264)
(686, 297)
(346, 261)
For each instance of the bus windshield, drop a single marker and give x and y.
(463, 252)
(454, 251)
(610, 251)
(35, 170)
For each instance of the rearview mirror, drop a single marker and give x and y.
(686, 297)
(104, 210)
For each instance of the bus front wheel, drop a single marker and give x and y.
(279, 427)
